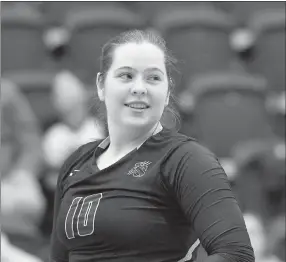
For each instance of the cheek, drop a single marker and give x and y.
(160, 96)
(114, 98)
(112, 90)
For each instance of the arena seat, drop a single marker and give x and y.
(199, 39)
(150, 9)
(228, 107)
(243, 10)
(55, 11)
(269, 50)
(91, 29)
(22, 45)
(36, 86)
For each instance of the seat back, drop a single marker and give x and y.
(150, 9)
(229, 108)
(56, 11)
(243, 10)
(198, 38)
(269, 57)
(22, 44)
(90, 30)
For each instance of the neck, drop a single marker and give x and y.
(122, 140)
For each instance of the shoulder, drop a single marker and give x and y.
(77, 156)
(194, 151)
(189, 156)
(82, 151)
(188, 147)
(190, 163)
(194, 148)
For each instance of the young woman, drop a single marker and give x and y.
(145, 193)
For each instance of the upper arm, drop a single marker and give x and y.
(201, 188)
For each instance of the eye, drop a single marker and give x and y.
(154, 78)
(126, 76)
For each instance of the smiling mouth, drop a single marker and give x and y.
(138, 107)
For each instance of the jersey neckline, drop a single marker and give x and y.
(102, 146)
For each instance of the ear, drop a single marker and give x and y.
(100, 87)
(167, 99)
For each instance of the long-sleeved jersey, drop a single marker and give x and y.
(150, 206)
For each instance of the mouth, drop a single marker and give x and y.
(138, 106)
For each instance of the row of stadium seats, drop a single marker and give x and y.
(200, 37)
(55, 12)
(232, 105)
(228, 105)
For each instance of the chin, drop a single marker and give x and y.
(139, 122)
(136, 122)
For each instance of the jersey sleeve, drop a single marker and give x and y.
(201, 187)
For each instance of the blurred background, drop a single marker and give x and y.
(230, 92)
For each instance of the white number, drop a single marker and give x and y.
(85, 219)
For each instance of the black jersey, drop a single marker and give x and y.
(150, 206)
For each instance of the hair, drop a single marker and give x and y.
(170, 117)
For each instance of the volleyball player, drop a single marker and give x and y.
(146, 193)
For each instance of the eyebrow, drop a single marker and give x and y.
(154, 69)
(148, 69)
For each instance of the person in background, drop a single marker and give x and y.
(76, 126)
(22, 201)
(146, 192)
(259, 239)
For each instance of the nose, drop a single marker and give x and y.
(138, 88)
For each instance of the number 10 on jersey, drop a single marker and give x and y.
(81, 214)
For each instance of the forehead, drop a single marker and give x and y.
(138, 56)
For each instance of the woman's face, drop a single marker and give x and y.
(136, 86)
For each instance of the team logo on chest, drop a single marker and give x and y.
(139, 169)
